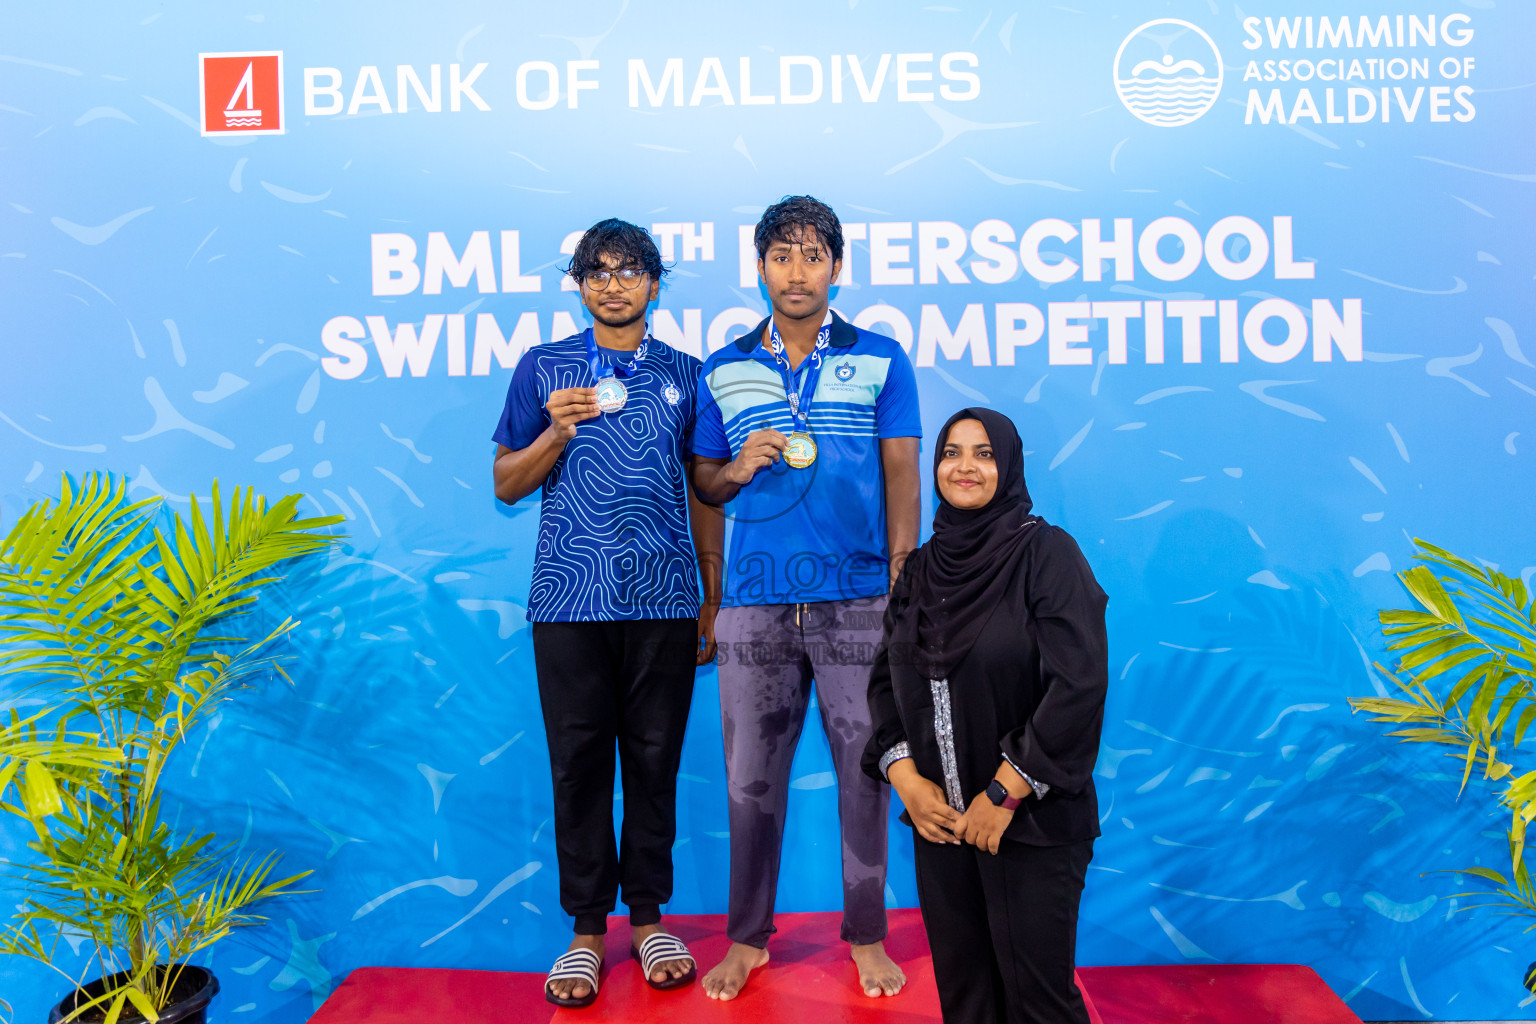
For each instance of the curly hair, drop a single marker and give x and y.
(787, 219)
(628, 243)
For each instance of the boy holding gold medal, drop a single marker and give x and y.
(807, 430)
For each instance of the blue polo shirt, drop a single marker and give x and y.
(613, 523)
(813, 534)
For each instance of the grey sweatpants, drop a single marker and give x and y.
(771, 655)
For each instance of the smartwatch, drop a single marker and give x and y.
(998, 794)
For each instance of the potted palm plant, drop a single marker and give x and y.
(127, 633)
(1467, 671)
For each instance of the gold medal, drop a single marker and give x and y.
(801, 450)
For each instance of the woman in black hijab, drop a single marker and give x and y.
(987, 696)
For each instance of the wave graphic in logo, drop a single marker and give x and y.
(1168, 72)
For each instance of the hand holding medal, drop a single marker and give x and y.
(761, 449)
(611, 393)
(800, 449)
(765, 447)
(568, 407)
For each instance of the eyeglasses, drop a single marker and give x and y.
(598, 280)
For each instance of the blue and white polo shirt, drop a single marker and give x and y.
(814, 534)
(614, 541)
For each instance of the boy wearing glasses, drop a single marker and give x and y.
(600, 421)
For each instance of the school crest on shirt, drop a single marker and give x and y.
(844, 372)
(671, 393)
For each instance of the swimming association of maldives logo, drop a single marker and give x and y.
(671, 393)
(1168, 72)
(844, 372)
(241, 93)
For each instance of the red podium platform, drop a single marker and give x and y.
(810, 980)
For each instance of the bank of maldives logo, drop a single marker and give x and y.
(242, 93)
(1168, 72)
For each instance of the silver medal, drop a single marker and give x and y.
(611, 394)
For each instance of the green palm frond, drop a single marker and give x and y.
(128, 631)
(63, 609)
(1466, 660)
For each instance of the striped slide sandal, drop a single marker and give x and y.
(657, 949)
(580, 964)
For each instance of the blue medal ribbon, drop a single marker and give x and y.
(799, 401)
(601, 369)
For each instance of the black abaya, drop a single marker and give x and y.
(1005, 606)
(1030, 689)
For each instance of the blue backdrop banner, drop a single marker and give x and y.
(1255, 283)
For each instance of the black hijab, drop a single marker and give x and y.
(950, 586)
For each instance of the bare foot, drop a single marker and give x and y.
(878, 973)
(667, 968)
(730, 975)
(576, 988)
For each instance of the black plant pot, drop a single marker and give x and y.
(195, 989)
